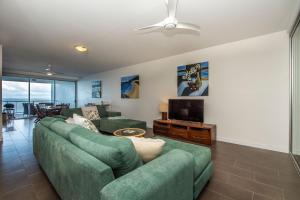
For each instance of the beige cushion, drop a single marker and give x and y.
(70, 120)
(147, 148)
(85, 123)
(90, 112)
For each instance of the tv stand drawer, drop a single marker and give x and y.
(200, 135)
(196, 132)
(179, 131)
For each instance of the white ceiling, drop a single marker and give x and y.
(37, 32)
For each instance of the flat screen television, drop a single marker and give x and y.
(186, 109)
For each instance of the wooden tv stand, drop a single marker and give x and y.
(192, 131)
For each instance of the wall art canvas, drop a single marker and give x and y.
(96, 89)
(130, 87)
(192, 80)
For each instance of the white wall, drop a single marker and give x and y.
(248, 92)
(1, 137)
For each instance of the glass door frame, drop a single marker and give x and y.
(29, 81)
(17, 79)
(291, 90)
(32, 81)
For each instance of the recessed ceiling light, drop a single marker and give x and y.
(49, 73)
(81, 48)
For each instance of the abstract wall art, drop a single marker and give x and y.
(192, 80)
(96, 89)
(130, 87)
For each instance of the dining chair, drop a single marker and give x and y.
(40, 113)
(9, 108)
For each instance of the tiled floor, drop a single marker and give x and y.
(297, 158)
(241, 173)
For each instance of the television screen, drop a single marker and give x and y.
(186, 109)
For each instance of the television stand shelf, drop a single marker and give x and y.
(192, 131)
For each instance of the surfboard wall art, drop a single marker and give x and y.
(130, 87)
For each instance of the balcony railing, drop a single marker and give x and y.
(24, 109)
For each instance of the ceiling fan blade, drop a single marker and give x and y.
(172, 6)
(159, 24)
(188, 26)
(48, 68)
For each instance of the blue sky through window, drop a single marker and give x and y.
(14, 90)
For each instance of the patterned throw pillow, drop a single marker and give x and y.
(85, 123)
(90, 112)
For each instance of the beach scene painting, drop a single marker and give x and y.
(192, 80)
(96, 89)
(130, 87)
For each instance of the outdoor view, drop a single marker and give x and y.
(19, 91)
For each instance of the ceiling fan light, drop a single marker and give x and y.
(170, 26)
(81, 49)
(49, 73)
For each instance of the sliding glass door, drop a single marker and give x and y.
(41, 91)
(295, 94)
(15, 95)
(65, 92)
(21, 94)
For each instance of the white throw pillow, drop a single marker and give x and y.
(85, 123)
(70, 120)
(90, 112)
(147, 148)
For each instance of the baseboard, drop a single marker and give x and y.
(282, 149)
(256, 145)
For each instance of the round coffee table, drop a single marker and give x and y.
(126, 132)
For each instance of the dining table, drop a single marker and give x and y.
(52, 110)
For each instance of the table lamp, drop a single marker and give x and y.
(163, 108)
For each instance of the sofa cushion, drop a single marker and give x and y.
(90, 112)
(47, 121)
(169, 177)
(102, 111)
(84, 122)
(96, 123)
(202, 155)
(111, 125)
(71, 111)
(113, 114)
(61, 128)
(147, 148)
(118, 153)
(74, 173)
(70, 120)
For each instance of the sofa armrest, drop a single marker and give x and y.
(113, 114)
(169, 176)
(74, 173)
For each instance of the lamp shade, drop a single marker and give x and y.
(163, 107)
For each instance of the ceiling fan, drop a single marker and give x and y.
(49, 71)
(171, 22)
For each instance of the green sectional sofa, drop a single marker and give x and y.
(84, 165)
(109, 121)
